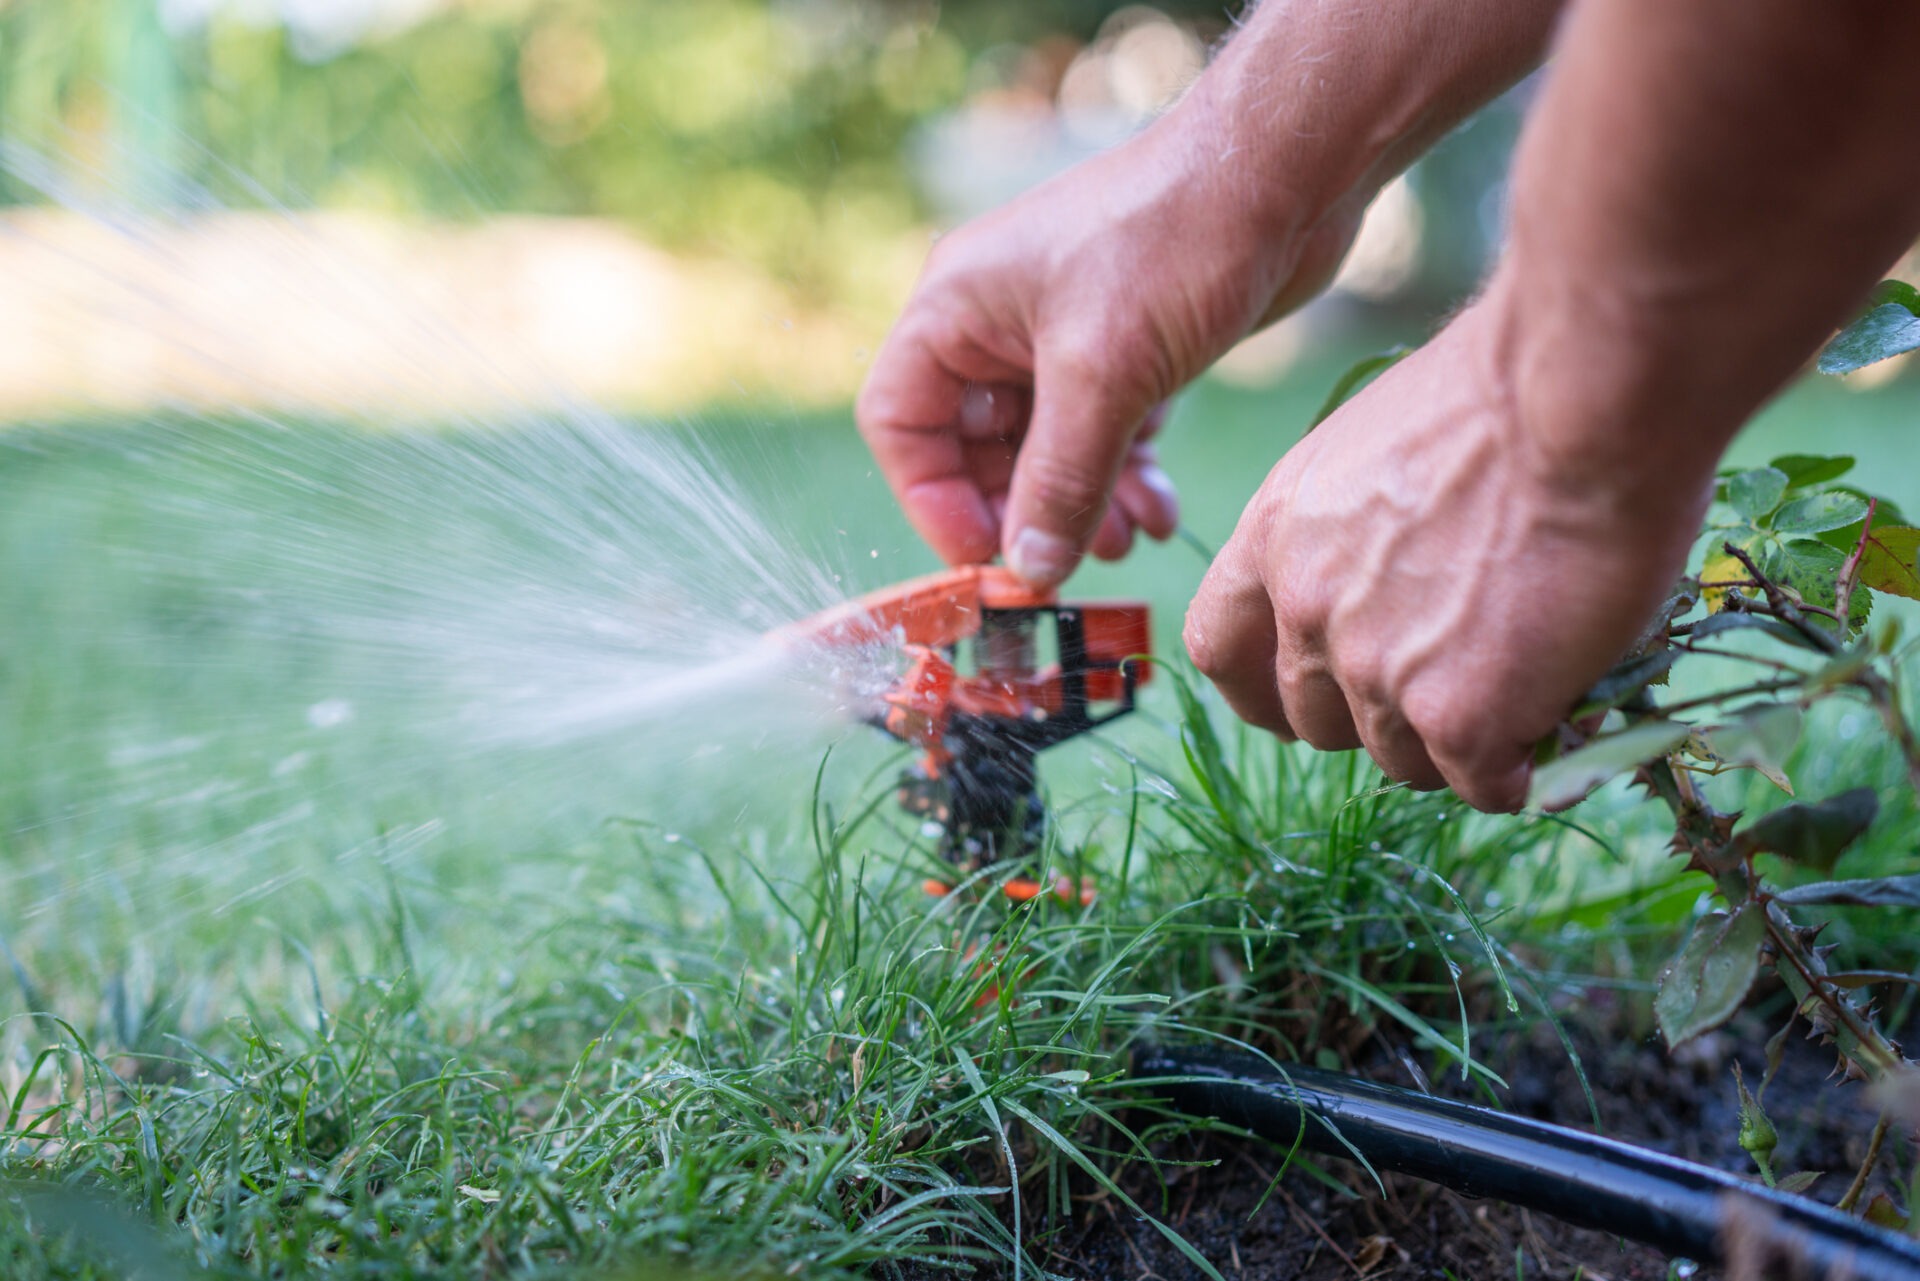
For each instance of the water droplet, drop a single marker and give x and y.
(329, 712)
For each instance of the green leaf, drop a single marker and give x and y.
(1895, 291)
(1888, 563)
(1757, 491)
(1817, 513)
(1886, 515)
(1879, 891)
(1885, 512)
(1711, 976)
(1812, 568)
(1626, 680)
(1560, 783)
(1812, 834)
(1800, 1181)
(1881, 1212)
(1357, 374)
(1811, 469)
(1759, 738)
(1758, 1135)
(1886, 331)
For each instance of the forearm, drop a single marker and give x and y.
(1318, 101)
(1704, 191)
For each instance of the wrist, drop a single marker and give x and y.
(1319, 106)
(1602, 391)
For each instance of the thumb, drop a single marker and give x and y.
(1076, 443)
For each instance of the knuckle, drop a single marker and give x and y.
(1293, 679)
(945, 256)
(1065, 484)
(1083, 360)
(1115, 368)
(870, 413)
(1200, 646)
(1451, 737)
(1363, 675)
(1477, 790)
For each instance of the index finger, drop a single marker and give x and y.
(909, 413)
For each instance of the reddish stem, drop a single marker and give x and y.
(1850, 570)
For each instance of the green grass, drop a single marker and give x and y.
(387, 1014)
(792, 1059)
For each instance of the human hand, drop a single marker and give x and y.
(1436, 574)
(1022, 386)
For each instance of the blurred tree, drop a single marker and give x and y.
(767, 131)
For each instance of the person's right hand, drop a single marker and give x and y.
(1020, 389)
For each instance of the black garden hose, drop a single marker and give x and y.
(1679, 1207)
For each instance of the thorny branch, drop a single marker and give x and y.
(1706, 835)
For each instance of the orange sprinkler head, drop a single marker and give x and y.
(937, 609)
(977, 694)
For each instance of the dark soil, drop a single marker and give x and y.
(1683, 1106)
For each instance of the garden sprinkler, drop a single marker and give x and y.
(985, 673)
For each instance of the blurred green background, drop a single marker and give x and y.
(780, 133)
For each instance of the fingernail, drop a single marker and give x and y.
(1156, 479)
(976, 411)
(1040, 557)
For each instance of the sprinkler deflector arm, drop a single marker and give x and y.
(1600, 1183)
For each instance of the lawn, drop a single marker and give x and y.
(312, 973)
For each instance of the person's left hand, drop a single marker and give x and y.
(1436, 578)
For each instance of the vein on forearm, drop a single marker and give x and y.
(1330, 96)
